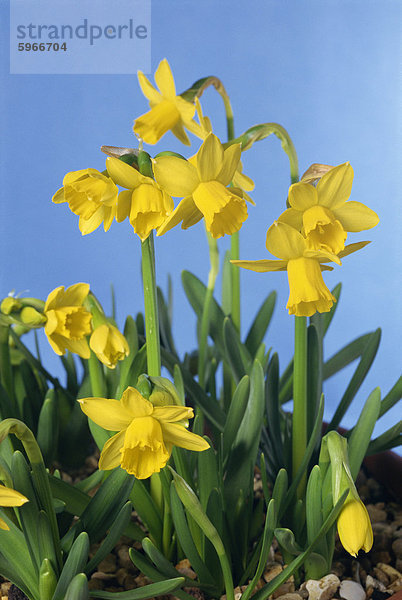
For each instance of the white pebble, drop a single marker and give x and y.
(322, 589)
(351, 590)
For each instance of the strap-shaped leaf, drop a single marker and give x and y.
(185, 538)
(346, 355)
(75, 500)
(14, 553)
(326, 318)
(78, 588)
(75, 563)
(113, 536)
(235, 414)
(359, 375)
(273, 413)
(104, 507)
(362, 431)
(165, 325)
(147, 510)
(260, 324)
(131, 335)
(243, 454)
(161, 588)
(47, 580)
(391, 438)
(235, 352)
(161, 562)
(44, 539)
(393, 396)
(195, 291)
(314, 375)
(314, 512)
(48, 427)
(208, 477)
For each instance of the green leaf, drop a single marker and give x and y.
(47, 580)
(160, 561)
(346, 355)
(147, 510)
(165, 324)
(185, 538)
(260, 324)
(243, 455)
(113, 536)
(326, 318)
(208, 477)
(235, 352)
(314, 511)
(44, 540)
(314, 375)
(104, 507)
(78, 588)
(359, 375)
(235, 414)
(195, 291)
(362, 431)
(387, 440)
(75, 563)
(162, 588)
(273, 413)
(286, 540)
(393, 396)
(14, 553)
(48, 427)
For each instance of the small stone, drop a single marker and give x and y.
(184, 567)
(121, 575)
(124, 558)
(95, 584)
(324, 588)
(129, 582)
(397, 547)
(285, 588)
(271, 571)
(395, 586)
(381, 557)
(351, 590)
(381, 576)
(392, 573)
(338, 569)
(108, 564)
(289, 596)
(377, 514)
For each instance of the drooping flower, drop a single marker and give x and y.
(308, 292)
(146, 433)
(143, 201)
(204, 188)
(68, 322)
(10, 497)
(109, 344)
(322, 212)
(354, 526)
(168, 111)
(91, 195)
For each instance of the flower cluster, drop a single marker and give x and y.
(312, 232)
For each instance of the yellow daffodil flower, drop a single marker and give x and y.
(239, 180)
(322, 212)
(91, 195)
(204, 188)
(144, 202)
(146, 433)
(308, 292)
(168, 111)
(68, 322)
(354, 526)
(10, 497)
(109, 344)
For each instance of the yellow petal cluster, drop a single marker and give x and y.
(92, 196)
(168, 111)
(203, 188)
(68, 322)
(143, 201)
(10, 497)
(146, 433)
(322, 212)
(354, 526)
(109, 344)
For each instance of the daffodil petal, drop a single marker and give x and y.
(108, 216)
(110, 457)
(123, 174)
(148, 89)
(196, 129)
(292, 217)
(231, 158)
(350, 248)
(176, 175)
(10, 497)
(322, 255)
(164, 79)
(356, 216)
(171, 414)
(302, 196)
(261, 266)
(76, 294)
(335, 187)
(53, 299)
(89, 225)
(242, 181)
(210, 158)
(3, 525)
(185, 108)
(58, 197)
(135, 404)
(284, 241)
(123, 205)
(110, 414)
(178, 435)
(179, 131)
(185, 211)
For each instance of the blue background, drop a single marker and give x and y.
(329, 72)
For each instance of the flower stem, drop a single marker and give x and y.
(204, 326)
(151, 307)
(299, 427)
(5, 362)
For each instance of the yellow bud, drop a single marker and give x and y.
(109, 345)
(9, 305)
(354, 526)
(31, 317)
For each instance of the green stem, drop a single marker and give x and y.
(98, 386)
(151, 307)
(299, 428)
(235, 280)
(204, 327)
